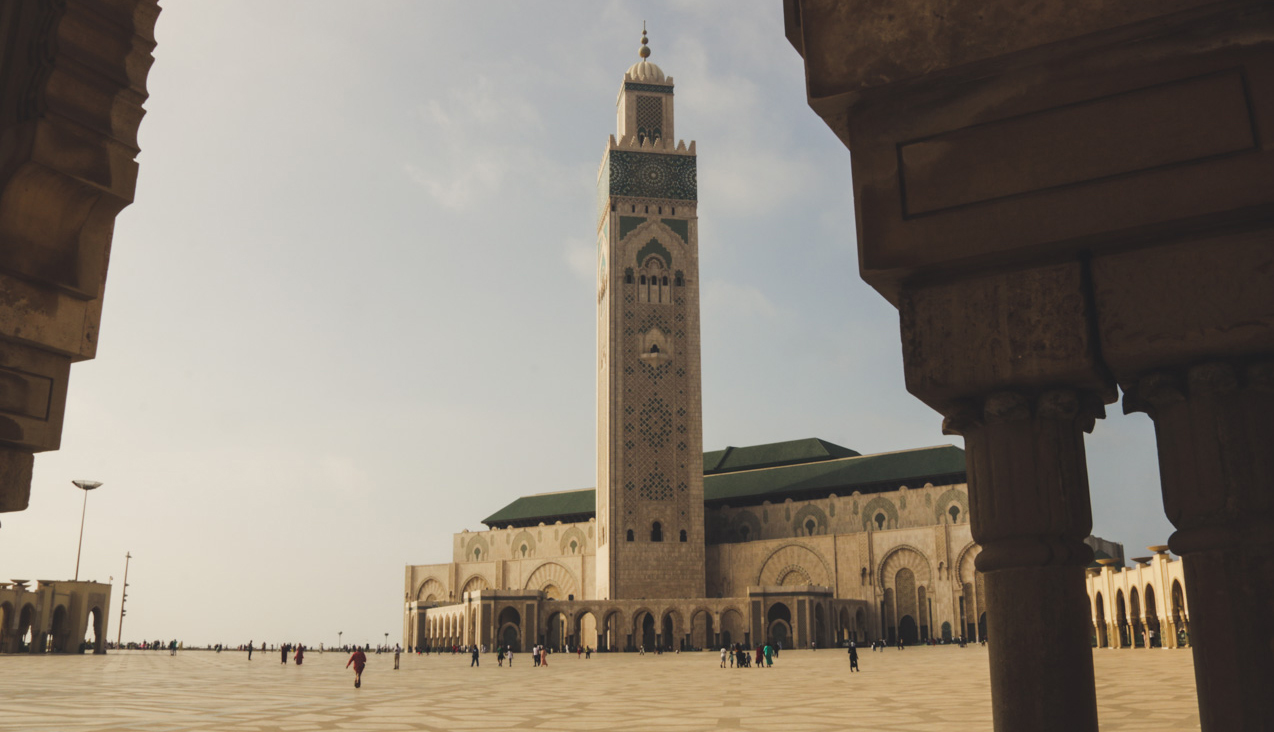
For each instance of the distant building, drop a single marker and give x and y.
(55, 617)
(1103, 549)
(1141, 606)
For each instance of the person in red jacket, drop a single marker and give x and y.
(359, 659)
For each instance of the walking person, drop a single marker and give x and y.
(172, 647)
(723, 654)
(283, 652)
(769, 655)
(544, 656)
(473, 658)
(853, 657)
(249, 650)
(359, 659)
(300, 653)
(760, 656)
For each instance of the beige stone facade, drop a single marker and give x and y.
(796, 543)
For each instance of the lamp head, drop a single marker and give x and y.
(87, 485)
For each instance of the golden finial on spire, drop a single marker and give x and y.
(645, 50)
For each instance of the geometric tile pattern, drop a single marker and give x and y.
(651, 175)
(916, 690)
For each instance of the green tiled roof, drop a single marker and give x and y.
(546, 507)
(841, 476)
(749, 475)
(772, 455)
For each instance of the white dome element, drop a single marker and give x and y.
(645, 71)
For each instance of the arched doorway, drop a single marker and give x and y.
(510, 624)
(97, 627)
(846, 630)
(946, 632)
(1134, 612)
(667, 637)
(1100, 620)
(907, 630)
(646, 634)
(1179, 619)
(1153, 637)
(26, 629)
(860, 625)
(60, 631)
(820, 625)
(779, 625)
(1121, 619)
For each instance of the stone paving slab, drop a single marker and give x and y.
(916, 690)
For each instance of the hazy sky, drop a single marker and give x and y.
(351, 311)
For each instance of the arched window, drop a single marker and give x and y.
(955, 514)
(880, 520)
(810, 525)
(643, 280)
(665, 282)
(683, 536)
(654, 348)
(656, 532)
(574, 546)
(630, 534)
(477, 554)
(524, 550)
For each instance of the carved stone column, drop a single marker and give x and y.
(1029, 509)
(1214, 424)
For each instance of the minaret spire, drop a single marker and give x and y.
(645, 49)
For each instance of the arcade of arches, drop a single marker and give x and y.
(55, 617)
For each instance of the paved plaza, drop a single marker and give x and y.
(919, 689)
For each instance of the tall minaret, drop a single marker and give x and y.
(650, 542)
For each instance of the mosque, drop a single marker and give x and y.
(801, 542)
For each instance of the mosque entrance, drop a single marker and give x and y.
(780, 625)
(907, 631)
(510, 633)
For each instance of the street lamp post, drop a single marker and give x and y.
(86, 486)
(122, 599)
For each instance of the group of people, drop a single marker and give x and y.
(740, 656)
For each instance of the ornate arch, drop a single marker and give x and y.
(809, 511)
(948, 497)
(572, 533)
(880, 504)
(552, 573)
(431, 589)
(904, 556)
(781, 561)
(964, 574)
(522, 537)
(475, 583)
(477, 542)
(651, 237)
